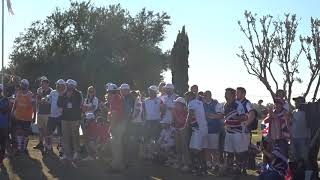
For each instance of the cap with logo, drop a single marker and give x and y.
(112, 87)
(180, 100)
(60, 82)
(71, 82)
(125, 87)
(153, 88)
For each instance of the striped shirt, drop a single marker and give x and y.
(232, 112)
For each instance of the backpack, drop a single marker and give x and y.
(254, 124)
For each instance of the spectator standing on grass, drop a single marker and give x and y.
(300, 135)
(278, 120)
(136, 125)
(118, 127)
(70, 102)
(152, 114)
(54, 121)
(4, 124)
(249, 124)
(89, 106)
(181, 126)
(168, 103)
(24, 111)
(236, 139)
(214, 116)
(199, 137)
(128, 103)
(43, 107)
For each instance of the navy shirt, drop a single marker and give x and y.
(44, 108)
(214, 125)
(4, 112)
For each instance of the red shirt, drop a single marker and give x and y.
(180, 117)
(103, 133)
(116, 111)
(91, 129)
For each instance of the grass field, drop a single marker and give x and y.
(38, 167)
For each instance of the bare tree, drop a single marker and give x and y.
(311, 48)
(286, 34)
(259, 58)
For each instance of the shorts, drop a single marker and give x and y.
(198, 141)
(236, 142)
(23, 125)
(42, 120)
(213, 141)
(53, 124)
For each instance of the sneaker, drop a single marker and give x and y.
(244, 172)
(175, 166)
(185, 168)
(38, 146)
(76, 156)
(64, 157)
(89, 158)
(209, 164)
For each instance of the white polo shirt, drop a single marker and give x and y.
(53, 99)
(152, 109)
(168, 101)
(197, 107)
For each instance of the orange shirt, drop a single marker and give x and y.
(24, 106)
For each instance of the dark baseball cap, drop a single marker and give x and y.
(299, 98)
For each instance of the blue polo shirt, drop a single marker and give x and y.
(214, 125)
(4, 116)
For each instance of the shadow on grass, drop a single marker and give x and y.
(26, 167)
(4, 173)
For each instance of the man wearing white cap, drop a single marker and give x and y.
(70, 102)
(152, 115)
(54, 121)
(24, 113)
(117, 123)
(4, 124)
(128, 101)
(43, 109)
(168, 102)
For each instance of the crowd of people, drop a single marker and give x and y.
(194, 133)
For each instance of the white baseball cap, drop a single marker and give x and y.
(1, 87)
(112, 87)
(60, 82)
(25, 82)
(169, 86)
(153, 88)
(180, 100)
(44, 78)
(125, 87)
(71, 82)
(90, 116)
(106, 86)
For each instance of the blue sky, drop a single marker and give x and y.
(212, 27)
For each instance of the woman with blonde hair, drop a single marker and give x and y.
(89, 108)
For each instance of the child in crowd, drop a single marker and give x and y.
(277, 168)
(166, 144)
(180, 114)
(91, 135)
(103, 138)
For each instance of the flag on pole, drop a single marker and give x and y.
(9, 7)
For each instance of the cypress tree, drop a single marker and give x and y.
(179, 62)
